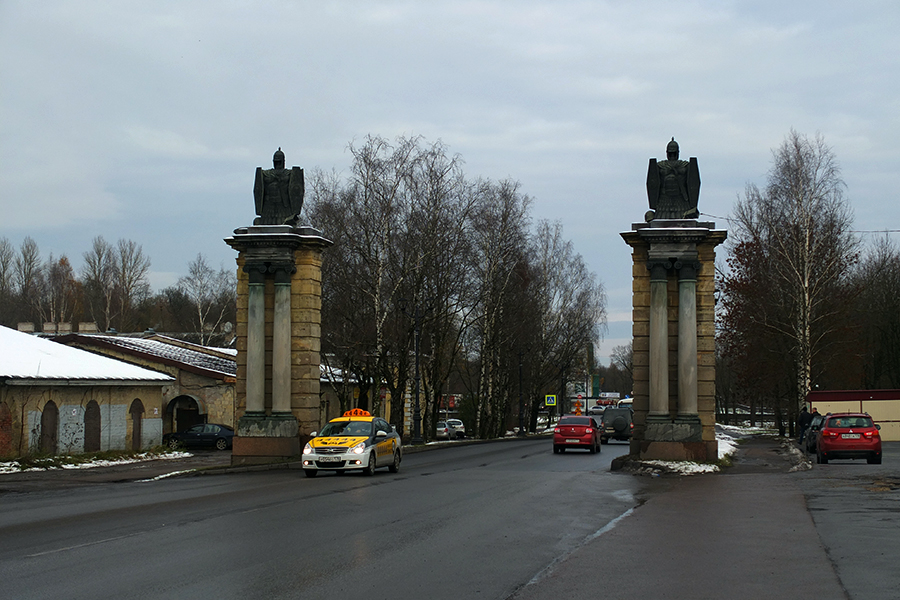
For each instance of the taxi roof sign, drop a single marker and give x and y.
(357, 412)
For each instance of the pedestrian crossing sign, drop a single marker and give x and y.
(550, 400)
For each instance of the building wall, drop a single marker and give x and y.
(215, 397)
(26, 403)
(882, 405)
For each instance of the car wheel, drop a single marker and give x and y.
(821, 459)
(604, 440)
(875, 459)
(311, 472)
(555, 449)
(221, 444)
(395, 466)
(174, 444)
(593, 448)
(370, 468)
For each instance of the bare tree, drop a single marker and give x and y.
(29, 278)
(132, 287)
(7, 282)
(794, 244)
(212, 294)
(877, 314)
(62, 291)
(499, 234)
(98, 276)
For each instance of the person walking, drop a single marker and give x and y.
(803, 422)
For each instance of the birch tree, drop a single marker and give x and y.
(212, 294)
(794, 240)
(98, 276)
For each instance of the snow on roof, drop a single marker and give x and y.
(173, 350)
(24, 356)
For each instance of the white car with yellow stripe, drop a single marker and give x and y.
(354, 441)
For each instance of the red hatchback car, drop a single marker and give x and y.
(848, 435)
(573, 431)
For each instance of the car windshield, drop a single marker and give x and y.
(843, 422)
(347, 428)
(583, 421)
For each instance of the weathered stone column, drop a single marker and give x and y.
(256, 341)
(659, 339)
(687, 338)
(281, 343)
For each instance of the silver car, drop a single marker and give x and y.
(457, 429)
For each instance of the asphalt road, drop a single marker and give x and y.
(856, 510)
(476, 521)
(500, 520)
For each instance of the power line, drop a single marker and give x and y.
(729, 220)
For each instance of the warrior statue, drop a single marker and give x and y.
(278, 193)
(673, 186)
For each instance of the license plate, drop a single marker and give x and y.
(329, 459)
(573, 441)
(850, 436)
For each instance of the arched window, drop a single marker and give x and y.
(92, 427)
(137, 415)
(49, 428)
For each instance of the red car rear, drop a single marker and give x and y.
(848, 435)
(576, 432)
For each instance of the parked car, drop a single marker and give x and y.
(459, 430)
(848, 435)
(354, 441)
(443, 431)
(618, 424)
(204, 435)
(811, 433)
(574, 431)
(596, 410)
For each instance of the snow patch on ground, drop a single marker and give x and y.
(727, 437)
(17, 467)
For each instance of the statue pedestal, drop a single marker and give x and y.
(278, 340)
(263, 438)
(674, 339)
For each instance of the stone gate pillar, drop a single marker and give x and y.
(278, 340)
(673, 272)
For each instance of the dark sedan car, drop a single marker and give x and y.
(205, 435)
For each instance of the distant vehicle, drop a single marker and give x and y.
(354, 441)
(459, 429)
(812, 432)
(596, 410)
(849, 435)
(204, 435)
(574, 431)
(626, 402)
(618, 424)
(443, 431)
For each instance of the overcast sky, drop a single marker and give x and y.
(146, 120)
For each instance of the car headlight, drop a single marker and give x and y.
(307, 449)
(359, 448)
